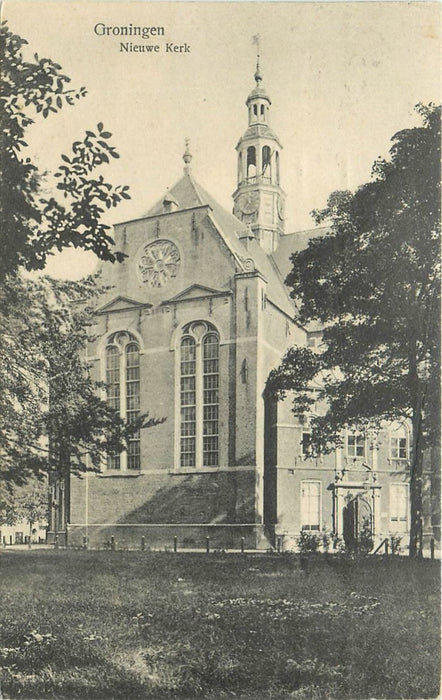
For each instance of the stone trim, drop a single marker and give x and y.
(90, 525)
(172, 472)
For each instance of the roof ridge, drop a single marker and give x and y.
(306, 230)
(197, 187)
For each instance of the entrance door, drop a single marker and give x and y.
(358, 524)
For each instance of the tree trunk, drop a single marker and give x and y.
(416, 483)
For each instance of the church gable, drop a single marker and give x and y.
(168, 254)
(198, 291)
(122, 303)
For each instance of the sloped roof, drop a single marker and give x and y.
(276, 291)
(293, 243)
(183, 192)
(188, 194)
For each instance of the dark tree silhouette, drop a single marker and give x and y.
(373, 282)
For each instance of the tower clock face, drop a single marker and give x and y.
(281, 208)
(158, 263)
(248, 202)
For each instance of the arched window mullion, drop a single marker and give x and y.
(113, 383)
(123, 393)
(132, 402)
(188, 402)
(199, 397)
(210, 402)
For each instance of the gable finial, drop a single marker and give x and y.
(187, 157)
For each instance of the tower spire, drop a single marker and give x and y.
(258, 198)
(258, 76)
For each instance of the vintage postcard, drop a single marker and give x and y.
(220, 457)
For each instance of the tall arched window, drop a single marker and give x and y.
(199, 395)
(188, 402)
(251, 163)
(240, 174)
(113, 392)
(123, 392)
(266, 164)
(210, 399)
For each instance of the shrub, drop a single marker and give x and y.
(365, 543)
(308, 542)
(396, 544)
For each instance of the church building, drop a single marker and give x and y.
(197, 316)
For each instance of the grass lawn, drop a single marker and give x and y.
(162, 625)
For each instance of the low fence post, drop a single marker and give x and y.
(175, 543)
(242, 545)
(56, 542)
(386, 546)
(112, 541)
(278, 545)
(143, 543)
(432, 548)
(207, 545)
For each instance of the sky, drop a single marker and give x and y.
(342, 77)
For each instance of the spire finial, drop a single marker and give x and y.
(187, 156)
(256, 39)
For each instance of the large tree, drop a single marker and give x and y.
(33, 226)
(54, 416)
(51, 413)
(373, 283)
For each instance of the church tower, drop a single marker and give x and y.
(258, 198)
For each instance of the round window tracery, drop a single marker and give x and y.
(158, 263)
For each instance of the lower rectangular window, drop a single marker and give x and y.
(355, 446)
(398, 447)
(399, 507)
(311, 505)
(113, 461)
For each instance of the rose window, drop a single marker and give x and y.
(159, 263)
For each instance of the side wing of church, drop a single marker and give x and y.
(196, 318)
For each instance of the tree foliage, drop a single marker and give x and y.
(53, 415)
(33, 226)
(373, 284)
